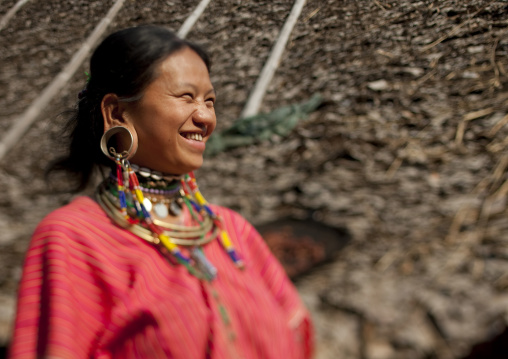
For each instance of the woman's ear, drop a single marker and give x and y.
(113, 112)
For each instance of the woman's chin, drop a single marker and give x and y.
(181, 169)
(190, 164)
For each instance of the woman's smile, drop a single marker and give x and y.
(193, 136)
(195, 140)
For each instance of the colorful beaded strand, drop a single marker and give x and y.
(121, 190)
(190, 181)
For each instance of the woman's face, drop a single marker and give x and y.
(176, 115)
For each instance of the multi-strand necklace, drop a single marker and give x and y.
(123, 198)
(161, 192)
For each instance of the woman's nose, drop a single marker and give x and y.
(204, 114)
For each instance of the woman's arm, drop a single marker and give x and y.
(62, 306)
(276, 280)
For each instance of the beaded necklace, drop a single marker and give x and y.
(161, 191)
(124, 202)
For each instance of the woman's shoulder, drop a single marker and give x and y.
(228, 215)
(84, 229)
(79, 213)
(234, 222)
(79, 207)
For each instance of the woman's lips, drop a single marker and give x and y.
(192, 136)
(194, 139)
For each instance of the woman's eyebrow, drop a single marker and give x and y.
(194, 87)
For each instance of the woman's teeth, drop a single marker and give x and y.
(193, 136)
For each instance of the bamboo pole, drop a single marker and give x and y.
(257, 94)
(21, 124)
(191, 20)
(12, 11)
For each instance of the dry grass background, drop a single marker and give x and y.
(409, 155)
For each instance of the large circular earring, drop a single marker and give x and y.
(117, 143)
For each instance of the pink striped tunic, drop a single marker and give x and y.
(93, 290)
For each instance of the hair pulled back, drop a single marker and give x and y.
(125, 63)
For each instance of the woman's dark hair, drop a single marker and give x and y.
(125, 63)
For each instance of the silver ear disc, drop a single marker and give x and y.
(117, 143)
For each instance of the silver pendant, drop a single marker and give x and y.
(148, 204)
(203, 263)
(175, 208)
(144, 172)
(161, 210)
(156, 175)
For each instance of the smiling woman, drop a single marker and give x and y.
(148, 268)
